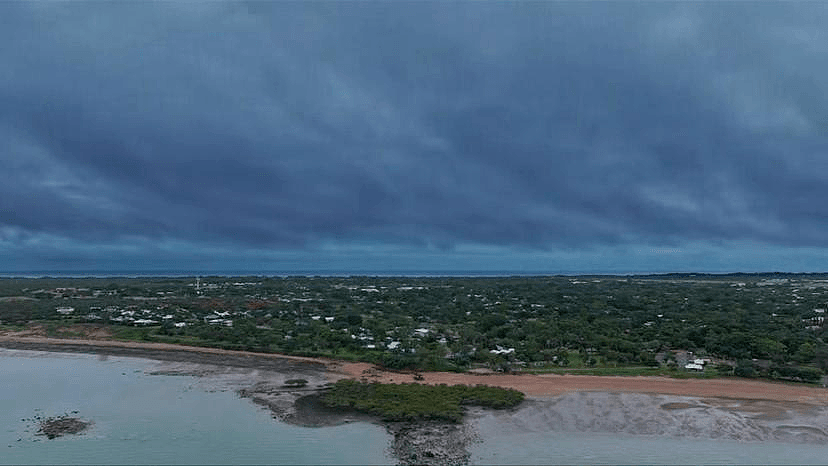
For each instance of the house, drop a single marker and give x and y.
(696, 365)
(501, 350)
(225, 322)
(144, 322)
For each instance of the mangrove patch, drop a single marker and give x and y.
(417, 402)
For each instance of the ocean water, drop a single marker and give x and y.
(155, 419)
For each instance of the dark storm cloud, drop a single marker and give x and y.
(538, 124)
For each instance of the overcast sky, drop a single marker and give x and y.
(386, 136)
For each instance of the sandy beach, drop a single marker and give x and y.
(550, 385)
(534, 386)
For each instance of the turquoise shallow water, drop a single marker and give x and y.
(146, 419)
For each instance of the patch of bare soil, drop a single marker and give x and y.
(34, 331)
(85, 332)
(550, 385)
(77, 332)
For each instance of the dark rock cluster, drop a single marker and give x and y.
(57, 426)
(430, 442)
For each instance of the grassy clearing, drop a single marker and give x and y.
(12, 328)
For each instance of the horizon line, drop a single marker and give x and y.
(33, 274)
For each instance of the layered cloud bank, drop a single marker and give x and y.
(375, 136)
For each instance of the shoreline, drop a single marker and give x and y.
(542, 386)
(727, 409)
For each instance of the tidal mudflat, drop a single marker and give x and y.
(642, 428)
(185, 406)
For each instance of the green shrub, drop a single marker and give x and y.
(411, 401)
(744, 368)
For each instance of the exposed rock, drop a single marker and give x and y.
(58, 426)
(431, 443)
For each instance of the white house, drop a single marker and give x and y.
(696, 365)
(144, 322)
(501, 350)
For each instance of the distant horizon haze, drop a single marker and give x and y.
(378, 273)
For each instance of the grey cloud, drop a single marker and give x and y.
(538, 124)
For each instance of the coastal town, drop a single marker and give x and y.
(748, 325)
(426, 356)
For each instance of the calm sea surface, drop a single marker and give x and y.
(156, 419)
(146, 419)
